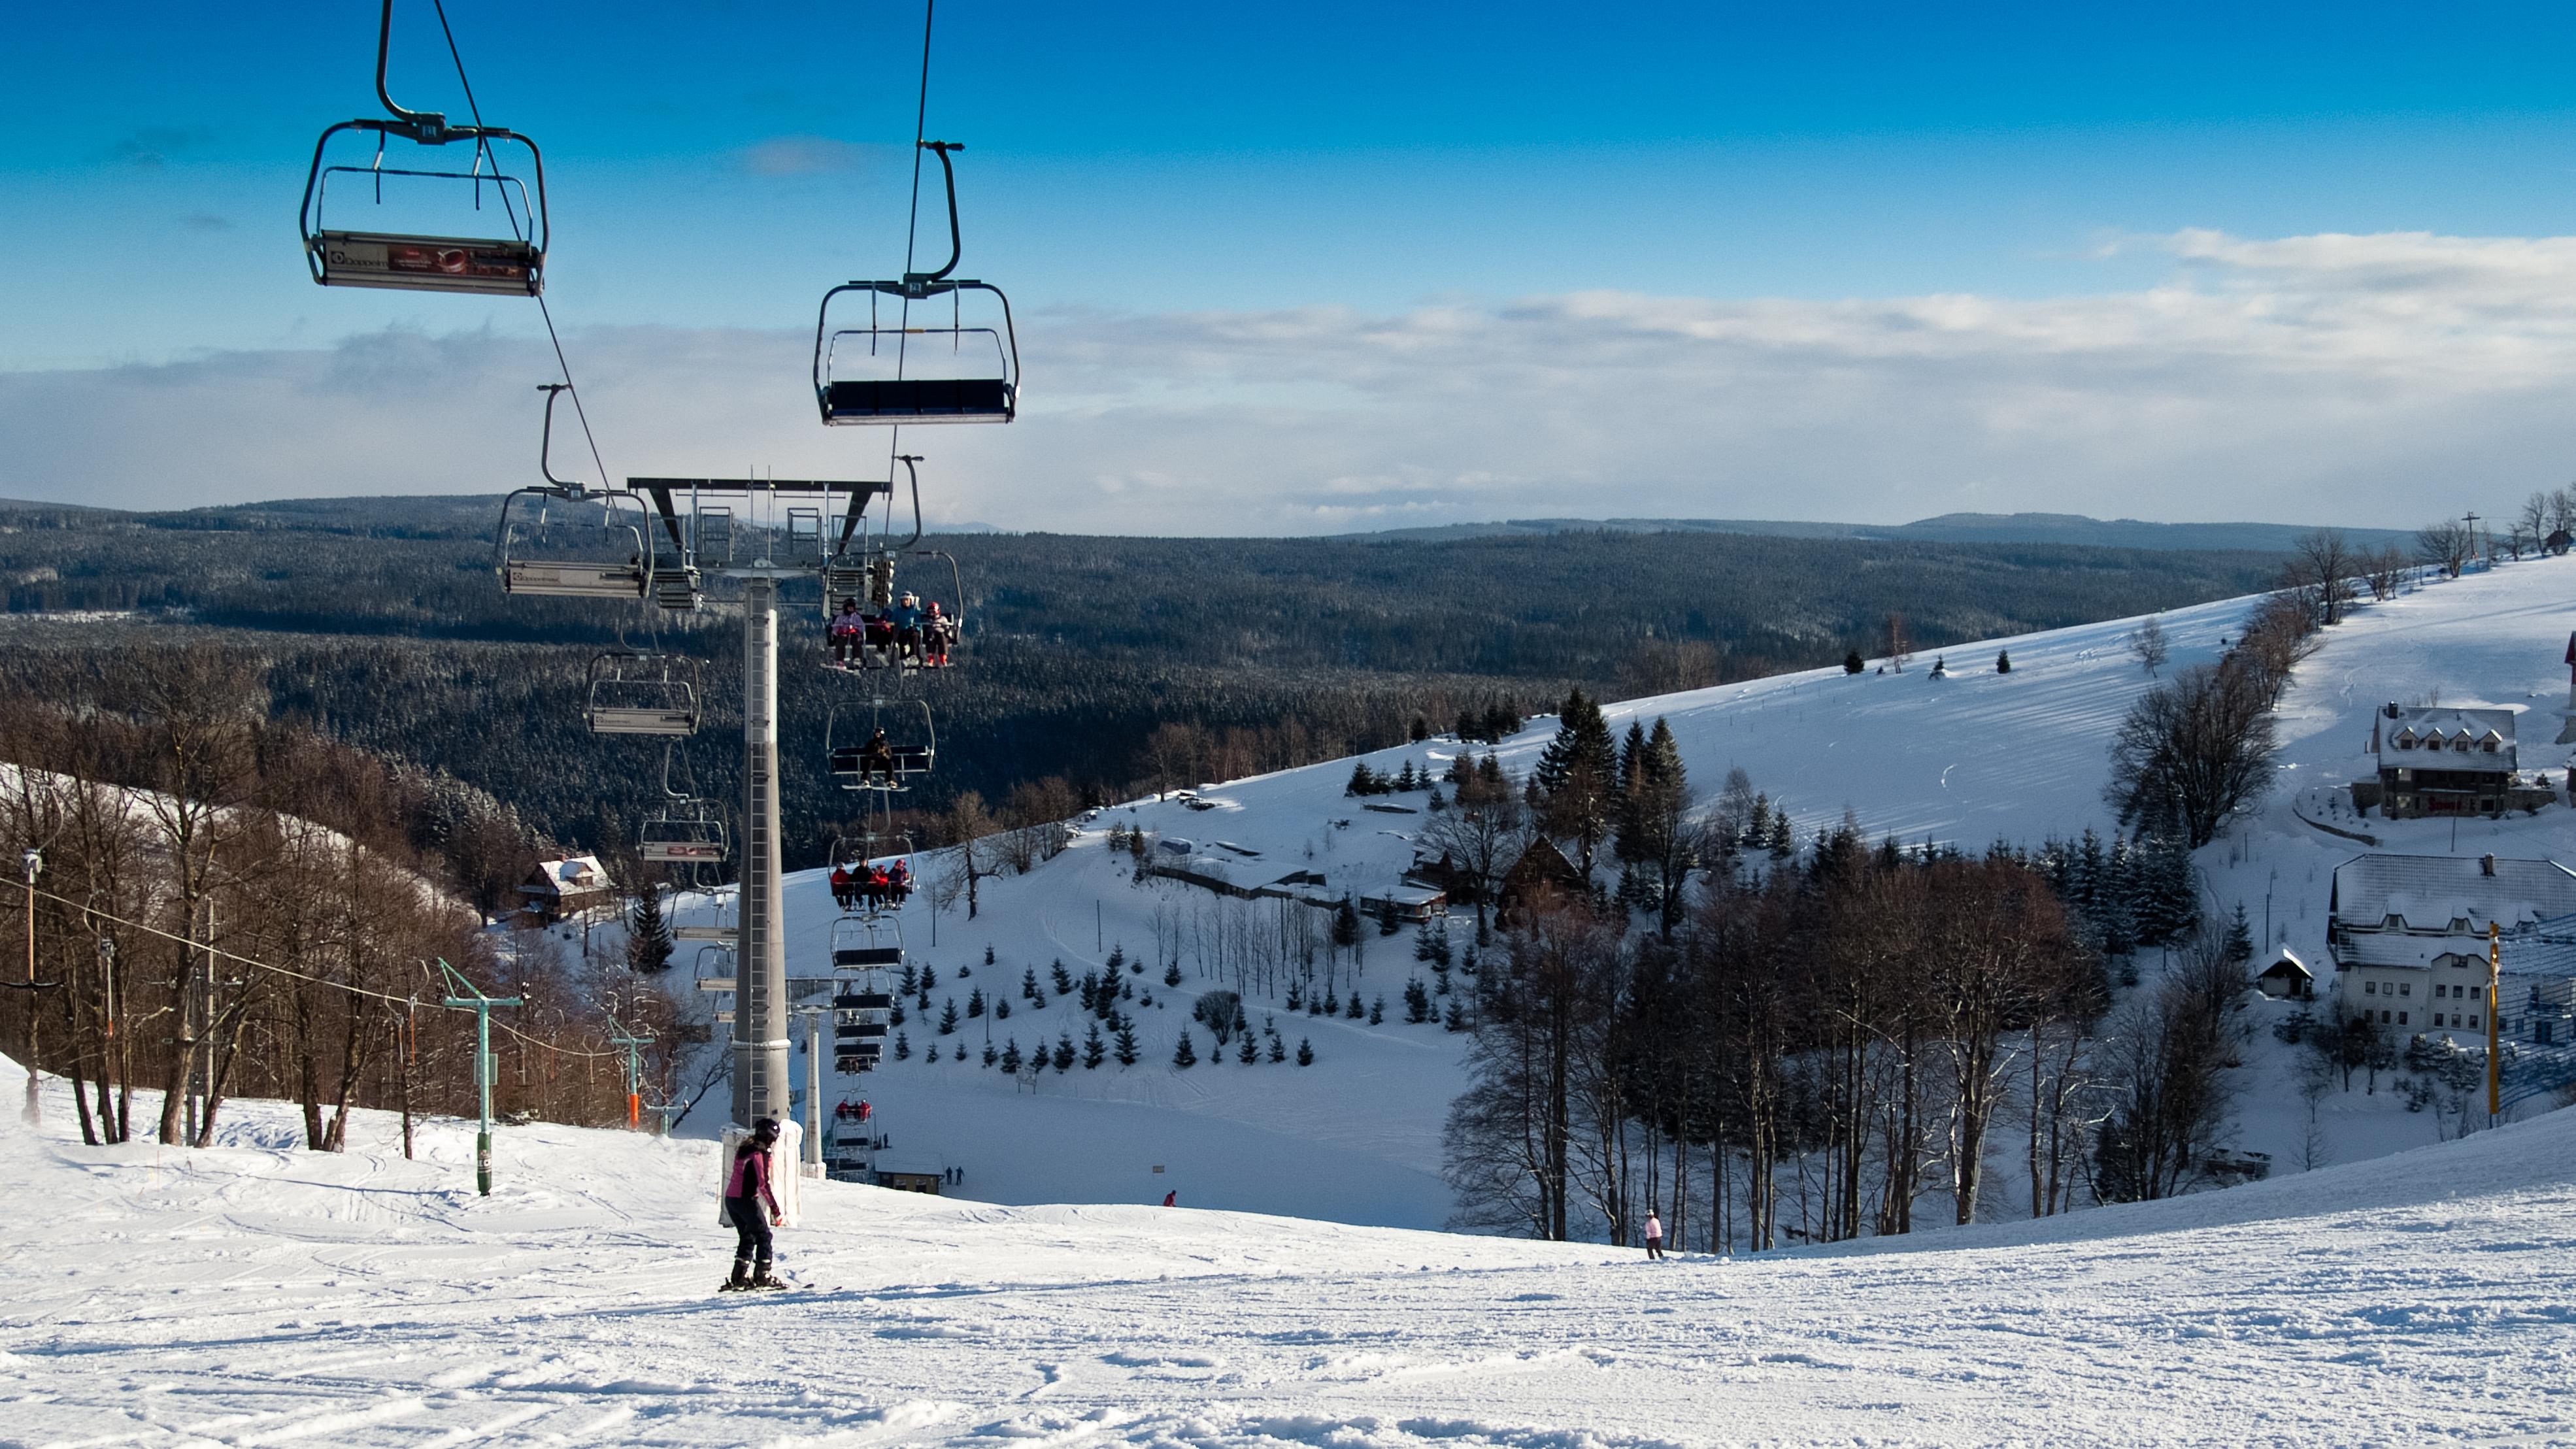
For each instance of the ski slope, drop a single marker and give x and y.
(256, 1294)
(1970, 758)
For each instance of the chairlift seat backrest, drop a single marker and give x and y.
(643, 720)
(920, 400)
(486, 266)
(861, 1031)
(681, 852)
(573, 580)
(702, 933)
(864, 958)
(863, 1001)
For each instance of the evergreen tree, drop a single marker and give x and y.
(1404, 778)
(1245, 1052)
(1126, 1049)
(1011, 1060)
(1852, 663)
(1377, 1010)
(911, 980)
(1183, 1054)
(1038, 1002)
(975, 1003)
(1029, 984)
(1314, 1005)
(1117, 958)
(1332, 1004)
(1346, 925)
(1090, 987)
(1438, 802)
(2003, 661)
(648, 935)
(1355, 1011)
(1577, 779)
(1422, 941)
(1457, 1014)
(1421, 730)
(932, 1056)
(1782, 840)
(1063, 979)
(988, 953)
(1001, 1009)
(1064, 1053)
(1364, 781)
(1305, 1052)
(990, 1055)
(1172, 974)
(929, 981)
(1094, 1050)
(948, 1018)
(1417, 1003)
(1388, 922)
(2240, 937)
(1296, 995)
(903, 1047)
(894, 1014)
(1278, 1048)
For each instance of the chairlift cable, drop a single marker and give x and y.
(507, 210)
(911, 232)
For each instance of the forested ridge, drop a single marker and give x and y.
(381, 624)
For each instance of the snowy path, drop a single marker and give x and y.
(258, 1295)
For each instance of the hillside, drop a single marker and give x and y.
(2022, 528)
(1971, 759)
(256, 1294)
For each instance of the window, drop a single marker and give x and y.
(2405, 988)
(2473, 993)
(2473, 1021)
(2370, 988)
(2383, 1016)
(2440, 990)
(2401, 1018)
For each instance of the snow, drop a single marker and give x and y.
(2402, 1288)
(257, 1294)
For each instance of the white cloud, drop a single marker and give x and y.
(2360, 379)
(803, 156)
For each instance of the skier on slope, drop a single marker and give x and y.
(1654, 1237)
(752, 1208)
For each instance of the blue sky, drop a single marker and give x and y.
(715, 166)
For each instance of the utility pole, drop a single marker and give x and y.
(814, 1016)
(2472, 520)
(760, 1041)
(33, 860)
(2495, 1034)
(481, 1005)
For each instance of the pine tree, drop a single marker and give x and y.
(1278, 1048)
(911, 980)
(1577, 777)
(1852, 663)
(932, 1056)
(1377, 1010)
(1332, 1004)
(1782, 839)
(1029, 984)
(1117, 958)
(1440, 978)
(1354, 1010)
(1011, 1061)
(1183, 1054)
(990, 1055)
(1094, 1050)
(2240, 937)
(1245, 1052)
(1404, 778)
(1421, 730)
(894, 1014)
(1422, 941)
(648, 935)
(1346, 925)
(1038, 1002)
(2003, 661)
(1296, 995)
(903, 1047)
(929, 981)
(1417, 1003)
(1126, 1050)
(988, 954)
(1063, 980)
(1305, 1052)
(975, 1003)
(948, 1018)
(1364, 781)
(1064, 1053)
(1001, 1009)
(1172, 974)
(1457, 1014)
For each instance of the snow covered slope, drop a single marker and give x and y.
(1969, 759)
(255, 1294)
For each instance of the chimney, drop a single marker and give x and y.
(2486, 865)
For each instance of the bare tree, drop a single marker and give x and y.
(2562, 509)
(1481, 837)
(2533, 519)
(2448, 545)
(2384, 569)
(2148, 642)
(2320, 569)
(1899, 649)
(2193, 753)
(2168, 1053)
(979, 854)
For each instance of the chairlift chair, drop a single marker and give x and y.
(867, 947)
(895, 372)
(342, 255)
(643, 694)
(890, 771)
(684, 836)
(561, 539)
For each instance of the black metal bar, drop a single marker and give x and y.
(661, 486)
(956, 246)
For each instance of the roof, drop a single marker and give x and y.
(2287, 964)
(573, 872)
(2392, 948)
(2405, 734)
(2432, 892)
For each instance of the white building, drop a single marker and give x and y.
(2409, 934)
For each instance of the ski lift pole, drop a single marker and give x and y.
(2495, 980)
(620, 1038)
(481, 1005)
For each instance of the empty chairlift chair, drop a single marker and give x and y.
(643, 694)
(452, 225)
(898, 370)
(558, 539)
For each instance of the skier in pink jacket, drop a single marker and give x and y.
(752, 1207)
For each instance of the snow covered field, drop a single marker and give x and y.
(257, 1294)
(1971, 758)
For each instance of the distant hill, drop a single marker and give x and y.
(2059, 528)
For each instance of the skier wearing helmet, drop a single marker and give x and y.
(752, 1207)
(906, 618)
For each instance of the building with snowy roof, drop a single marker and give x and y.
(2440, 761)
(567, 887)
(2409, 932)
